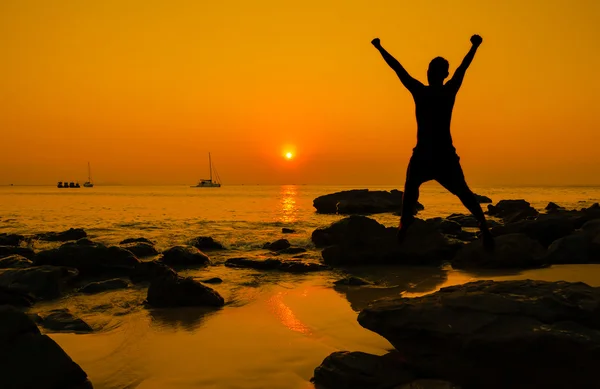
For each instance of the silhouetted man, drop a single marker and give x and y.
(434, 157)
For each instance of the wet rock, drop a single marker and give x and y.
(91, 259)
(292, 266)
(11, 239)
(466, 236)
(176, 291)
(64, 236)
(552, 207)
(141, 249)
(512, 210)
(361, 201)
(278, 245)
(104, 286)
(62, 320)
(41, 282)
(184, 256)
(301, 266)
(15, 262)
(292, 250)
(578, 248)
(214, 280)
(32, 360)
(445, 226)
(358, 370)
(499, 328)
(286, 230)
(15, 298)
(352, 281)
(545, 229)
(5, 251)
(357, 229)
(147, 271)
(206, 243)
(483, 199)
(136, 240)
(511, 251)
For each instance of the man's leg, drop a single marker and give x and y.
(414, 179)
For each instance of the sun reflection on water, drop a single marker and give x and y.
(289, 209)
(286, 316)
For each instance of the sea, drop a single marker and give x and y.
(276, 328)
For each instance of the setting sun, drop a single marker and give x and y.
(289, 155)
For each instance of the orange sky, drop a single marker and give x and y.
(144, 89)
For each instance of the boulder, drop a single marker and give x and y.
(512, 210)
(214, 280)
(41, 282)
(352, 281)
(184, 256)
(552, 207)
(445, 226)
(206, 243)
(361, 201)
(545, 229)
(278, 245)
(15, 298)
(483, 199)
(104, 286)
(62, 320)
(91, 259)
(147, 271)
(292, 250)
(353, 229)
(11, 239)
(469, 221)
(511, 334)
(286, 230)
(511, 251)
(136, 240)
(578, 248)
(64, 236)
(15, 262)
(32, 360)
(140, 249)
(6, 251)
(176, 291)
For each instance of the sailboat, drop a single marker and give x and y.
(88, 183)
(204, 183)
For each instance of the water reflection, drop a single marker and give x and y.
(186, 318)
(286, 316)
(289, 209)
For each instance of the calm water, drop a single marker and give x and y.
(277, 327)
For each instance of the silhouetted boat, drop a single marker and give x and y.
(204, 183)
(89, 183)
(68, 184)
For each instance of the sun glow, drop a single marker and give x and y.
(289, 155)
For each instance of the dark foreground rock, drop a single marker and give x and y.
(352, 281)
(29, 359)
(6, 251)
(90, 258)
(286, 230)
(578, 248)
(62, 320)
(104, 286)
(148, 271)
(483, 199)
(511, 334)
(175, 291)
(15, 298)
(141, 249)
(512, 210)
(15, 262)
(11, 239)
(360, 201)
(206, 243)
(64, 236)
(136, 240)
(41, 282)
(545, 229)
(184, 256)
(278, 245)
(290, 266)
(512, 251)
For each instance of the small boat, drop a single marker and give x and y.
(209, 183)
(66, 184)
(89, 183)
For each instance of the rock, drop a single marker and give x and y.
(358, 370)
(15, 262)
(352, 281)
(11, 239)
(545, 229)
(184, 256)
(64, 236)
(361, 201)
(206, 243)
(428, 384)
(511, 251)
(91, 259)
(16, 298)
(578, 248)
(176, 291)
(147, 271)
(277, 245)
(62, 320)
(552, 207)
(445, 226)
(275, 264)
(301, 267)
(483, 199)
(104, 286)
(286, 230)
(136, 240)
(214, 280)
(41, 282)
(352, 229)
(512, 210)
(140, 249)
(499, 328)
(32, 360)
(469, 221)
(466, 236)
(292, 250)
(6, 251)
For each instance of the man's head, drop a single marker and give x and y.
(438, 71)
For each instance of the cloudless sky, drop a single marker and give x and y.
(144, 89)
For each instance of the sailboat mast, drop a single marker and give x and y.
(210, 167)
(89, 173)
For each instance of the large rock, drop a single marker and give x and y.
(11, 239)
(14, 297)
(545, 229)
(483, 199)
(6, 251)
(42, 282)
(361, 241)
(147, 271)
(185, 256)
(30, 360)
(511, 334)
(469, 221)
(206, 243)
(141, 249)
(361, 201)
(136, 240)
(511, 251)
(445, 226)
(176, 291)
(512, 210)
(64, 236)
(578, 248)
(280, 244)
(104, 286)
(90, 258)
(290, 266)
(15, 262)
(62, 320)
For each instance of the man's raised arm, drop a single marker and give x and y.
(459, 74)
(410, 83)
